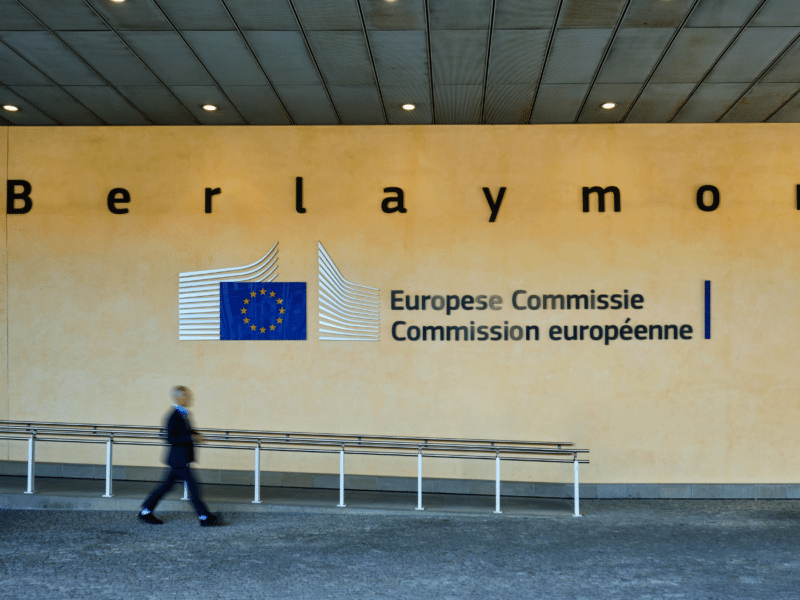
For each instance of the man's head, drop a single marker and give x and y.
(182, 396)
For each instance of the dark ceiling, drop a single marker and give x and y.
(354, 62)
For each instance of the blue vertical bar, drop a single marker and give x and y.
(708, 310)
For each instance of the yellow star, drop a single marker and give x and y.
(280, 320)
(263, 329)
(272, 327)
(272, 294)
(279, 301)
(253, 294)
(253, 327)
(263, 291)
(244, 311)
(246, 320)
(247, 300)
(282, 311)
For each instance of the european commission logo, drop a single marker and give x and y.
(246, 303)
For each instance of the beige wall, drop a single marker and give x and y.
(4, 408)
(93, 296)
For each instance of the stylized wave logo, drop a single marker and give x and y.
(198, 295)
(347, 311)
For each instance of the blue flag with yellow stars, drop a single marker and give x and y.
(262, 311)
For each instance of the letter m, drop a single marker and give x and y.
(601, 197)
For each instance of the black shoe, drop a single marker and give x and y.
(150, 518)
(209, 521)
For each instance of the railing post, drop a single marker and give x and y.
(185, 491)
(109, 442)
(576, 490)
(341, 478)
(497, 510)
(31, 461)
(419, 479)
(257, 499)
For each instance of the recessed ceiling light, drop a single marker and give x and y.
(608, 105)
(408, 107)
(209, 107)
(118, 1)
(10, 108)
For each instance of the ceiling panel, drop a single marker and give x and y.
(558, 103)
(358, 104)
(48, 54)
(342, 57)
(65, 15)
(507, 104)
(226, 56)
(307, 104)
(394, 16)
(28, 114)
(15, 70)
(284, 56)
(709, 102)
(575, 55)
(457, 104)
(760, 102)
(594, 14)
(259, 105)
(107, 104)
(59, 104)
(141, 15)
(197, 14)
(692, 54)
(158, 104)
(787, 68)
(459, 57)
(656, 13)
(395, 96)
(778, 13)
(193, 97)
(328, 15)
(722, 13)
(460, 14)
(751, 53)
(401, 57)
(659, 102)
(517, 55)
(633, 54)
(789, 113)
(168, 56)
(622, 94)
(110, 56)
(15, 17)
(524, 14)
(274, 15)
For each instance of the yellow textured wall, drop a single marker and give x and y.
(94, 307)
(4, 409)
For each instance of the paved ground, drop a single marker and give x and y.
(726, 549)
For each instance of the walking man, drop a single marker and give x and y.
(179, 457)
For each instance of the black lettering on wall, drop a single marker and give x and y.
(298, 195)
(714, 198)
(113, 200)
(12, 196)
(209, 194)
(601, 197)
(394, 203)
(494, 205)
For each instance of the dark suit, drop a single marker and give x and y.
(179, 456)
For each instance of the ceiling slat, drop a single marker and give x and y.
(524, 14)
(143, 15)
(226, 56)
(394, 16)
(457, 104)
(517, 56)
(558, 103)
(633, 54)
(459, 57)
(193, 97)
(258, 104)
(158, 104)
(656, 13)
(460, 14)
(59, 104)
(307, 104)
(709, 101)
(760, 102)
(507, 104)
(107, 104)
(15, 70)
(342, 57)
(63, 15)
(659, 102)
(575, 54)
(51, 56)
(110, 57)
(357, 104)
(722, 13)
(201, 15)
(284, 57)
(328, 15)
(692, 54)
(168, 56)
(751, 53)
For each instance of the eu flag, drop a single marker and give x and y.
(262, 311)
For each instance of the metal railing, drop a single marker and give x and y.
(281, 441)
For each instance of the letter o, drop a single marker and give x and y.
(538, 302)
(441, 303)
(515, 329)
(599, 332)
(413, 333)
(714, 198)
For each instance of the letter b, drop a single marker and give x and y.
(12, 196)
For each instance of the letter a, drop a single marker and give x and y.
(394, 203)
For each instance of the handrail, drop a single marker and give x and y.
(281, 441)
